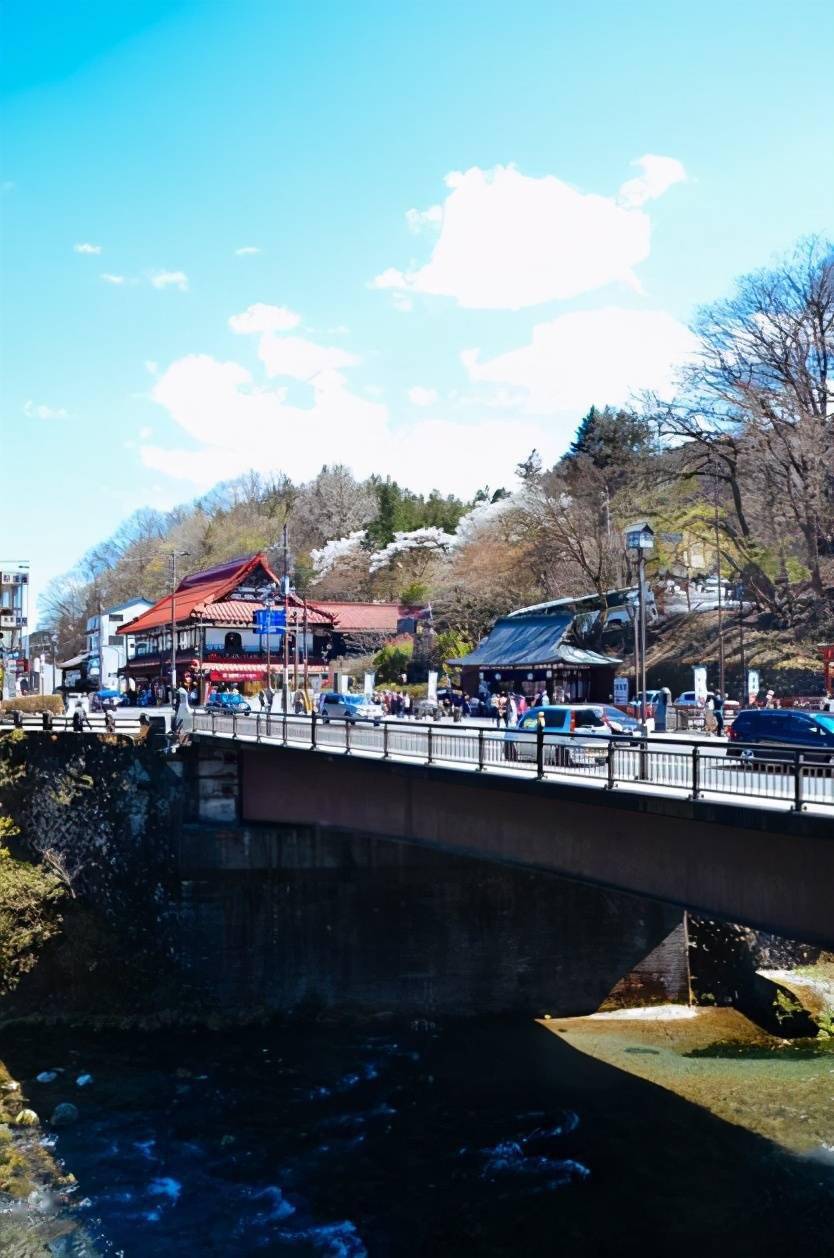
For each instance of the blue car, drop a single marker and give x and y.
(228, 703)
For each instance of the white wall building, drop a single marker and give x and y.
(14, 622)
(107, 650)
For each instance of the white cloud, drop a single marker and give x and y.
(420, 396)
(112, 279)
(421, 220)
(244, 250)
(87, 248)
(589, 356)
(236, 425)
(293, 356)
(659, 173)
(35, 410)
(263, 318)
(508, 240)
(170, 279)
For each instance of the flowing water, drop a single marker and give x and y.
(475, 1139)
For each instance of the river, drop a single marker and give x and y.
(489, 1138)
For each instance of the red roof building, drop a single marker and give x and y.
(217, 641)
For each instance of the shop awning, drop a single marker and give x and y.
(524, 641)
(75, 662)
(251, 672)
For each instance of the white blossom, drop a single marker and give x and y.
(425, 539)
(483, 515)
(326, 557)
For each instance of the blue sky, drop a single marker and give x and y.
(579, 177)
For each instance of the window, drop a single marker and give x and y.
(555, 720)
(587, 719)
(114, 640)
(117, 620)
(529, 722)
(233, 643)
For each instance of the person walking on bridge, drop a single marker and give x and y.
(80, 718)
(718, 710)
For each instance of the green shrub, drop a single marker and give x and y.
(391, 662)
(33, 703)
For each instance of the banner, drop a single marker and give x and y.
(753, 684)
(432, 690)
(344, 684)
(699, 681)
(620, 691)
(370, 678)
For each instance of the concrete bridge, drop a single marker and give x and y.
(765, 860)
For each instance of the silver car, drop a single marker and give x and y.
(350, 707)
(574, 734)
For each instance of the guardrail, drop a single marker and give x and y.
(95, 723)
(694, 769)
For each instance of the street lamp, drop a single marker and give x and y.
(53, 639)
(639, 540)
(174, 556)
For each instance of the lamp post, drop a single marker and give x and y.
(640, 540)
(174, 556)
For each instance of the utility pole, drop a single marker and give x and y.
(285, 585)
(174, 556)
(720, 591)
(744, 697)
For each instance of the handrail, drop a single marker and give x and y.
(777, 774)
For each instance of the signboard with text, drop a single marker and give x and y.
(620, 691)
(699, 683)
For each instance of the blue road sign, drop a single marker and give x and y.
(270, 621)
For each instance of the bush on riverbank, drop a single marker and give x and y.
(30, 894)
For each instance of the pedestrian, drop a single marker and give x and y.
(466, 707)
(80, 718)
(407, 706)
(663, 697)
(710, 722)
(110, 721)
(262, 698)
(770, 699)
(718, 709)
(512, 710)
(500, 710)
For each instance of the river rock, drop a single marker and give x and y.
(64, 1115)
(27, 1118)
(46, 1076)
(83, 1080)
(11, 1086)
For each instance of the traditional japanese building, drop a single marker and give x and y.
(528, 654)
(217, 642)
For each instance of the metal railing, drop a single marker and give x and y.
(775, 776)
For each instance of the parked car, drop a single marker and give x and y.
(617, 720)
(775, 733)
(351, 708)
(687, 700)
(108, 699)
(573, 735)
(227, 701)
(652, 697)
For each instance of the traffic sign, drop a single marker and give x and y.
(269, 621)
